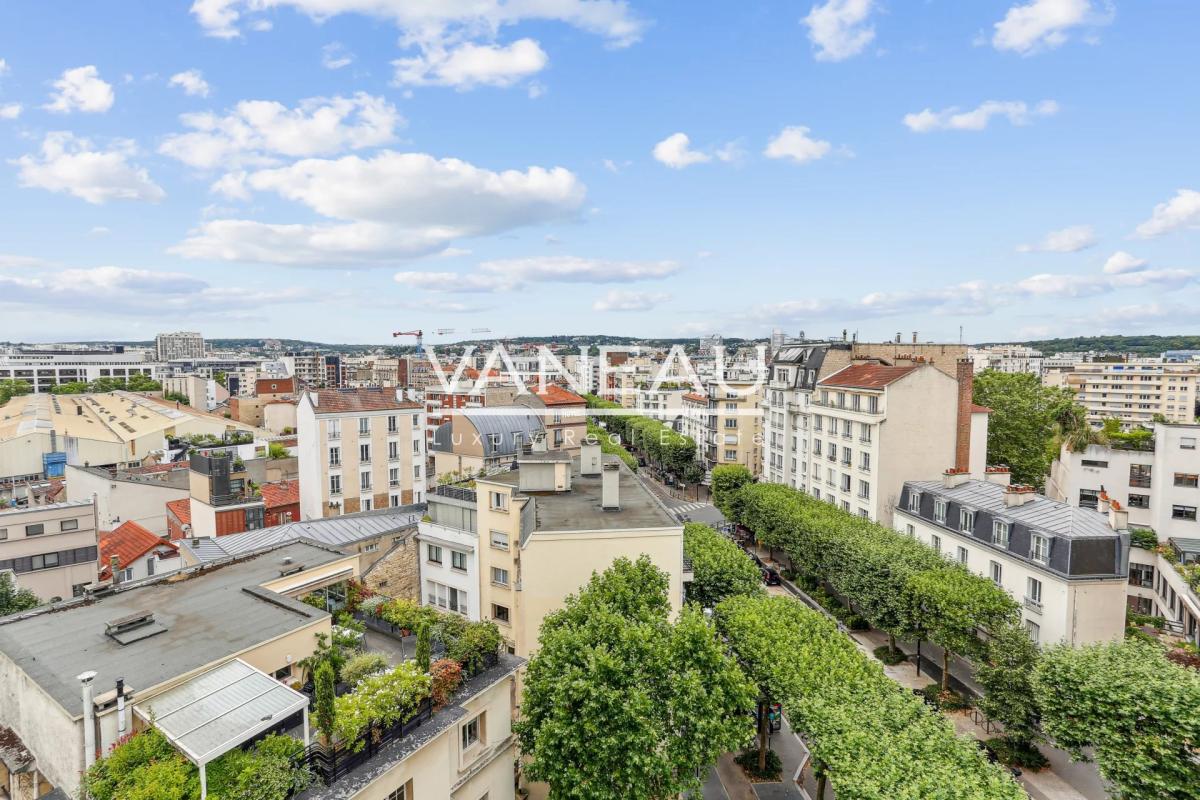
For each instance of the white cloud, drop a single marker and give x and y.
(72, 165)
(192, 82)
(81, 89)
(839, 29)
(675, 151)
(795, 144)
(10, 111)
(469, 65)
(335, 56)
(506, 275)
(621, 300)
(391, 206)
(1046, 24)
(537, 90)
(99, 230)
(430, 22)
(255, 132)
(231, 185)
(1181, 211)
(4, 68)
(1122, 262)
(954, 119)
(1067, 240)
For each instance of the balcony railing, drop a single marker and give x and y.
(1033, 605)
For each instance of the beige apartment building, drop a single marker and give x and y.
(732, 429)
(358, 450)
(1135, 391)
(51, 550)
(872, 427)
(511, 548)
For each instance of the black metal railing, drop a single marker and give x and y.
(330, 764)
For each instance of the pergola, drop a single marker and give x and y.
(219, 710)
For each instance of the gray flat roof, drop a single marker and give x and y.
(579, 509)
(208, 616)
(48, 507)
(1043, 513)
(332, 532)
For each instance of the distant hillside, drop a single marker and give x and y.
(1142, 345)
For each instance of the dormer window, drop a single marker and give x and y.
(966, 520)
(914, 501)
(1000, 531)
(939, 511)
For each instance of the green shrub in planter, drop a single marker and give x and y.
(748, 761)
(1018, 754)
(889, 656)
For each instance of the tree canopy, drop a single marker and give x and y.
(661, 444)
(727, 479)
(13, 598)
(719, 567)
(10, 388)
(619, 702)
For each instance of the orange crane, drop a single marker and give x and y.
(420, 338)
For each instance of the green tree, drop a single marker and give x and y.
(222, 379)
(323, 691)
(1138, 711)
(142, 383)
(13, 598)
(74, 387)
(621, 703)
(1028, 423)
(382, 698)
(955, 604)
(719, 567)
(727, 479)
(10, 388)
(424, 652)
(276, 451)
(176, 397)
(361, 665)
(1006, 675)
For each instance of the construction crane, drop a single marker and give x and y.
(420, 338)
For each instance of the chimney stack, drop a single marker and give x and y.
(1018, 495)
(89, 718)
(610, 492)
(114, 564)
(962, 430)
(999, 475)
(1118, 517)
(589, 458)
(120, 707)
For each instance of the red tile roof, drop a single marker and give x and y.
(182, 509)
(554, 395)
(695, 398)
(274, 386)
(128, 543)
(866, 376)
(284, 493)
(336, 401)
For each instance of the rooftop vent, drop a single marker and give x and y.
(132, 628)
(610, 492)
(289, 567)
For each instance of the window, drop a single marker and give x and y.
(364, 426)
(996, 570)
(498, 501)
(1139, 475)
(848, 427)
(1141, 575)
(864, 461)
(939, 511)
(458, 560)
(367, 504)
(69, 525)
(731, 422)
(1139, 501)
(935, 542)
(126, 574)
(470, 732)
(1039, 548)
(1183, 512)
(500, 613)
(335, 456)
(731, 455)
(832, 451)
(1188, 480)
(864, 490)
(500, 540)
(433, 553)
(3, 534)
(910, 530)
(845, 483)
(1187, 443)
(416, 447)
(1089, 498)
(962, 555)
(35, 530)
(499, 576)
(415, 421)
(966, 520)
(364, 481)
(1000, 530)
(393, 451)
(1088, 462)
(391, 424)
(1033, 592)
(1035, 630)
(370, 548)
(335, 429)
(816, 447)
(446, 597)
(283, 673)
(395, 501)
(394, 476)
(335, 484)
(914, 500)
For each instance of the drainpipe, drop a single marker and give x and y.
(89, 719)
(120, 707)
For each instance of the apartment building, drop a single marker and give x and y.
(1066, 567)
(512, 547)
(202, 393)
(45, 369)
(794, 372)
(1156, 482)
(563, 415)
(732, 424)
(130, 553)
(664, 403)
(441, 405)
(1136, 391)
(60, 667)
(474, 441)
(182, 344)
(1011, 358)
(1158, 588)
(359, 449)
(873, 426)
(138, 495)
(51, 550)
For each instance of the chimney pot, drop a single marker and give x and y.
(114, 565)
(610, 491)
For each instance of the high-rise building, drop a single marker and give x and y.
(181, 344)
(1136, 391)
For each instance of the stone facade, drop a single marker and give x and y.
(396, 573)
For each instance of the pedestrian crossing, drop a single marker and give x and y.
(686, 507)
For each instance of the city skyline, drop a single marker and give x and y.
(256, 169)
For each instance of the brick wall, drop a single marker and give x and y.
(395, 574)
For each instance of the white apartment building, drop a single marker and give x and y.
(664, 404)
(1011, 358)
(51, 550)
(44, 369)
(1159, 485)
(873, 426)
(181, 344)
(1135, 391)
(448, 563)
(1066, 567)
(1157, 588)
(358, 449)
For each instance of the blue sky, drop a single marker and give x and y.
(338, 169)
